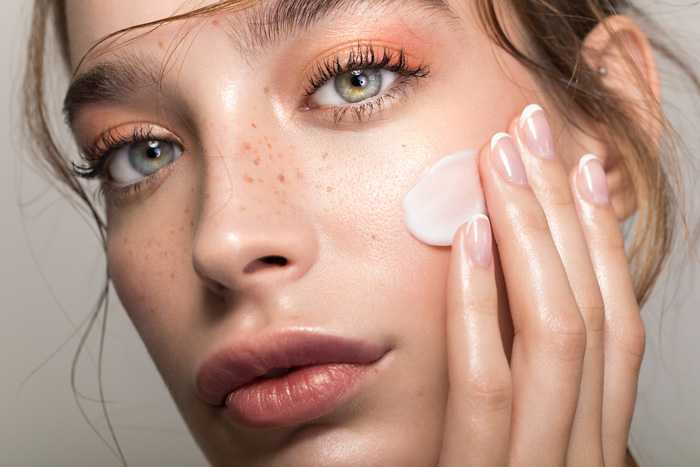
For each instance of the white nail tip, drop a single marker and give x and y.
(585, 160)
(527, 113)
(475, 218)
(446, 197)
(496, 138)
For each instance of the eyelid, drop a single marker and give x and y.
(95, 154)
(363, 54)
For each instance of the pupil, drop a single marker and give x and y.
(154, 153)
(359, 81)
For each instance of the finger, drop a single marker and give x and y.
(479, 401)
(550, 339)
(624, 330)
(550, 183)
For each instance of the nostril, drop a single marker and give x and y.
(274, 260)
(265, 261)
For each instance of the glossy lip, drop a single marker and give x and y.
(235, 370)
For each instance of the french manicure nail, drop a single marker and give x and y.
(507, 159)
(537, 132)
(479, 239)
(592, 180)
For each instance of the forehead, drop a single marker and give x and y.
(88, 20)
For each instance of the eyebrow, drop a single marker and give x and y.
(262, 26)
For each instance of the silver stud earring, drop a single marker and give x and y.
(602, 71)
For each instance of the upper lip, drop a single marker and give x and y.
(231, 367)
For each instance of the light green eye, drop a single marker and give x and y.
(358, 85)
(141, 159)
(354, 86)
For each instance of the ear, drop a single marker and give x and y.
(619, 49)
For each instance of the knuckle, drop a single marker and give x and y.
(630, 341)
(532, 220)
(558, 195)
(565, 337)
(490, 390)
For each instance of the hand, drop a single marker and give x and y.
(568, 395)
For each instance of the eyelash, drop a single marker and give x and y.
(364, 56)
(97, 154)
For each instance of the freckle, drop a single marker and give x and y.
(260, 180)
(187, 211)
(374, 237)
(160, 45)
(182, 229)
(266, 139)
(279, 154)
(325, 155)
(329, 189)
(403, 145)
(255, 151)
(300, 175)
(149, 244)
(253, 125)
(269, 145)
(191, 224)
(281, 178)
(159, 244)
(318, 186)
(215, 22)
(278, 212)
(255, 107)
(256, 161)
(208, 196)
(248, 178)
(242, 208)
(291, 146)
(277, 192)
(266, 89)
(172, 275)
(246, 145)
(131, 253)
(259, 142)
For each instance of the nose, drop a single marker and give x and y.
(253, 248)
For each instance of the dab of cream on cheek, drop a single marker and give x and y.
(447, 195)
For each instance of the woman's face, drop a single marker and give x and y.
(276, 238)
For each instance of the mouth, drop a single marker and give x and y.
(285, 378)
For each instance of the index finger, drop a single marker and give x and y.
(477, 423)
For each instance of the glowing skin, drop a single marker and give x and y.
(446, 196)
(261, 177)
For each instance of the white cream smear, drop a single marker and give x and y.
(447, 195)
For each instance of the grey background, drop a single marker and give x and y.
(51, 271)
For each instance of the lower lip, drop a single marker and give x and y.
(301, 395)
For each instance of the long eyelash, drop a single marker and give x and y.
(95, 155)
(364, 56)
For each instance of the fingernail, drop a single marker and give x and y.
(507, 159)
(592, 180)
(537, 132)
(479, 239)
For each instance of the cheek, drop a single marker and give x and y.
(149, 257)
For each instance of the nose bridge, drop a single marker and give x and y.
(251, 231)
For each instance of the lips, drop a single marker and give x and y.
(285, 378)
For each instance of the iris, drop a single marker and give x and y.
(358, 85)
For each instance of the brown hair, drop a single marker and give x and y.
(555, 32)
